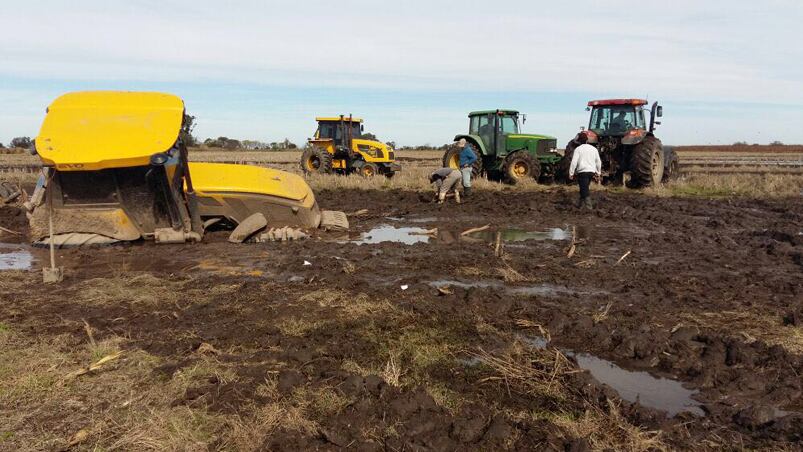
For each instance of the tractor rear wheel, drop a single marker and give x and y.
(451, 159)
(562, 172)
(647, 163)
(368, 170)
(316, 160)
(519, 166)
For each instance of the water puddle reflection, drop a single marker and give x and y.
(634, 386)
(385, 233)
(15, 257)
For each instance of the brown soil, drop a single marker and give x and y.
(711, 294)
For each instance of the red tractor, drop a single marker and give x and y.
(631, 153)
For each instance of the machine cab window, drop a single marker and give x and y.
(614, 119)
(509, 125)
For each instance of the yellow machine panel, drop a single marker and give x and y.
(94, 130)
(217, 178)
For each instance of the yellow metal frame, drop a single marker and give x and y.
(95, 130)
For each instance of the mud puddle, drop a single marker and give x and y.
(520, 235)
(633, 386)
(15, 257)
(386, 233)
(548, 290)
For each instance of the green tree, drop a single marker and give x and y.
(21, 142)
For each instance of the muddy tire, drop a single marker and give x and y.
(368, 170)
(451, 159)
(519, 166)
(316, 160)
(672, 166)
(562, 172)
(647, 163)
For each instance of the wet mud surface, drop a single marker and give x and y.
(705, 312)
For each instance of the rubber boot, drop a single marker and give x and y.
(588, 204)
(441, 197)
(579, 203)
(457, 196)
(466, 192)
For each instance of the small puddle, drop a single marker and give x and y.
(385, 233)
(413, 219)
(519, 235)
(652, 392)
(15, 257)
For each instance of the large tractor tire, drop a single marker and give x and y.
(647, 163)
(562, 172)
(316, 160)
(671, 165)
(451, 159)
(519, 166)
(368, 170)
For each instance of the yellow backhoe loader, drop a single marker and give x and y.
(339, 147)
(116, 169)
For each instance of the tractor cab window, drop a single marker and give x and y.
(474, 126)
(326, 131)
(613, 119)
(356, 130)
(485, 125)
(510, 124)
(640, 119)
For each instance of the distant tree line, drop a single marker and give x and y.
(251, 145)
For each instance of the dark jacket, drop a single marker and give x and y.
(467, 156)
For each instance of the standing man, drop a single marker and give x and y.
(467, 159)
(586, 165)
(446, 179)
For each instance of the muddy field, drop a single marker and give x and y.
(676, 323)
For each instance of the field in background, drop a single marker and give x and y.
(706, 170)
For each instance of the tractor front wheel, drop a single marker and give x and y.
(368, 170)
(647, 163)
(451, 159)
(672, 168)
(316, 160)
(519, 166)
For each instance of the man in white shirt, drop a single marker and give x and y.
(586, 165)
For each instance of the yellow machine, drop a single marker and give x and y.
(116, 167)
(338, 147)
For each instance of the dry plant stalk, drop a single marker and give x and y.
(623, 257)
(475, 230)
(498, 246)
(600, 316)
(540, 374)
(573, 246)
(94, 366)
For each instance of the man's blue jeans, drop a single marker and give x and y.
(466, 176)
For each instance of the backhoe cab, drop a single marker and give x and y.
(629, 150)
(339, 147)
(503, 152)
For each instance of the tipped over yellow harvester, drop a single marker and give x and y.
(116, 168)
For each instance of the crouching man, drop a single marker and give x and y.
(586, 166)
(446, 180)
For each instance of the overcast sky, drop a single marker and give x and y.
(725, 71)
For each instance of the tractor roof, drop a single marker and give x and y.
(94, 130)
(491, 112)
(337, 119)
(599, 103)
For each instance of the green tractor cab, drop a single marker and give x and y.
(503, 151)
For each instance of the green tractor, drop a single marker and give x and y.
(504, 153)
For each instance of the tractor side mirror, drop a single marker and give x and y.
(588, 108)
(523, 119)
(362, 127)
(660, 111)
(582, 128)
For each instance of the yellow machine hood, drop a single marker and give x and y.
(217, 178)
(95, 130)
